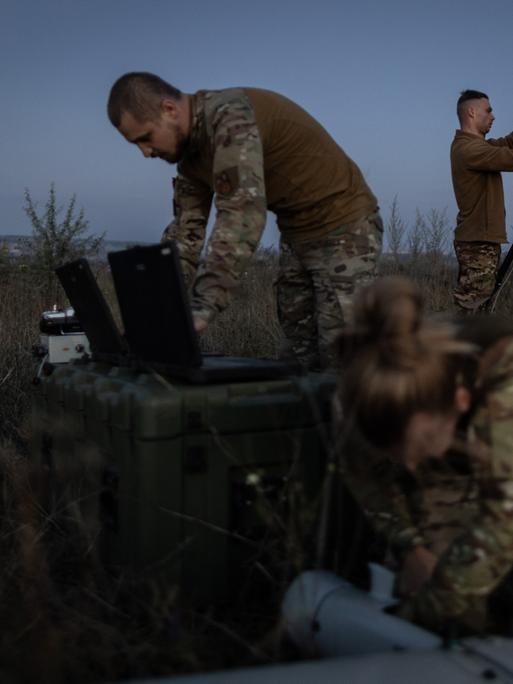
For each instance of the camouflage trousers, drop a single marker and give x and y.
(316, 284)
(478, 263)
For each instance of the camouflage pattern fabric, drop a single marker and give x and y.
(240, 200)
(445, 501)
(478, 264)
(374, 481)
(430, 509)
(316, 284)
(316, 280)
(191, 210)
(480, 558)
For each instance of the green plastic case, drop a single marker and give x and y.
(176, 479)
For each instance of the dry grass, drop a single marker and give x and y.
(63, 618)
(21, 304)
(68, 619)
(250, 326)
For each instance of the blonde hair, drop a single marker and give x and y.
(395, 362)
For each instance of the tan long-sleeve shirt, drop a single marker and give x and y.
(476, 166)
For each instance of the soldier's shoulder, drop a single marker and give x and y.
(213, 99)
(221, 106)
(464, 142)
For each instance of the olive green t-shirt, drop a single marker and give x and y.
(312, 185)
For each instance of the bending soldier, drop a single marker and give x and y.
(410, 389)
(254, 150)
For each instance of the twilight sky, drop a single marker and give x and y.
(382, 76)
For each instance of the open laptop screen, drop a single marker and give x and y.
(91, 308)
(154, 305)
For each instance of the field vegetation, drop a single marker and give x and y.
(64, 619)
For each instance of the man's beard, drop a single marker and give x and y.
(181, 144)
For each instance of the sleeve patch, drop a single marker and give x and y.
(227, 181)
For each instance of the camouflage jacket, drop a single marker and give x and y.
(224, 127)
(429, 509)
(251, 150)
(377, 484)
(477, 560)
(461, 507)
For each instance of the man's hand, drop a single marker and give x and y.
(417, 569)
(200, 324)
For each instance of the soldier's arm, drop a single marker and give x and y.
(483, 155)
(191, 207)
(386, 508)
(477, 561)
(375, 483)
(506, 141)
(240, 203)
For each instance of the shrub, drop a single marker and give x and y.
(55, 242)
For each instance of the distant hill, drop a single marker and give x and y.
(17, 244)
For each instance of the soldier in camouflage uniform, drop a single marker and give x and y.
(251, 150)
(480, 558)
(476, 164)
(406, 511)
(410, 389)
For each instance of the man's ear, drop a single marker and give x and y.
(462, 399)
(169, 107)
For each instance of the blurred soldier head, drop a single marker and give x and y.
(405, 380)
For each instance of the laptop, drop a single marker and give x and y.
(92, 311)
(158, 323)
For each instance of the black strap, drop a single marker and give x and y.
(502, 275)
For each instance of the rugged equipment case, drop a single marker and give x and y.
(183, 478)
(181, 465)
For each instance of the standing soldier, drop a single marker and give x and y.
(481, 226)
(255, 150)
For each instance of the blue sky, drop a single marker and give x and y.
(382, 76)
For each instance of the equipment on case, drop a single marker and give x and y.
(158, 322)
(62, 339)
(94, 313)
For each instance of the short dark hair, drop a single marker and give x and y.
(139, 93)
(467, 95)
